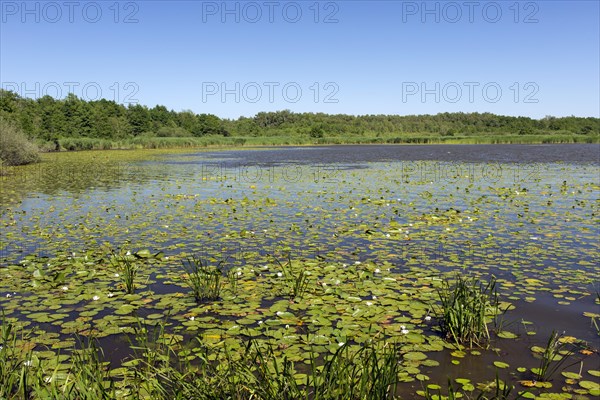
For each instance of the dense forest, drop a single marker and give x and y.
(50, 121)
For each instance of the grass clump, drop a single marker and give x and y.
(15, 148)
(127, 270)
(296, 279)
(467, 306)
(204, 280)
(557, 351)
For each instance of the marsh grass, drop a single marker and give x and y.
(89, 376)
(24, 376)
(296, 278)
(203, 279)
(467, 306)
(233, 279)
(14, 361)
(369, 373)
(558, 350)
(127, 269)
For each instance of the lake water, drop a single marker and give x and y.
(526, 214)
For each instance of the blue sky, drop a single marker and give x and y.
(529, 58)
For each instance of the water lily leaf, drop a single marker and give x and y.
(506, 335)
(590, 385)
(501, 364)
(571, 375)
(415, 356)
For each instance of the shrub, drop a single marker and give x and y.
(15, 148)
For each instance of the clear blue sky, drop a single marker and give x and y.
(529, 58)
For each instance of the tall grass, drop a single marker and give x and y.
(14, 361)
(466, 308)
(204, 280)
(557, 351)
(127, 270)
(295, 277)
(369, 373)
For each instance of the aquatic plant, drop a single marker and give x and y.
(559, 348)
(295, 277)
(466, 308)
(204, 280)
(127, 269)
(495, 390)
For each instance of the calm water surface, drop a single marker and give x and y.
(521, 211)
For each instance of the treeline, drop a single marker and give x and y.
(48, 120)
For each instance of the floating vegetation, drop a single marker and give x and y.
(415, 271)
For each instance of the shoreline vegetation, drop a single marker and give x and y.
(71, 124)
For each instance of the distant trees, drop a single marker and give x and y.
(47, 119)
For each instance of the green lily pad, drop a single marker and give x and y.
(506, 335)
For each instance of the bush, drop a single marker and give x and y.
(15, 148)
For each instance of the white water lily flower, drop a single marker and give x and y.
(110, 295)
(279, 274)
(404, 331)
(27, 363)
(65, 288)
(287, 327)
(116, 275)
(95, 298)
(239, 273)
(8, 295)
(279, 313)
(192, 318)
(357, 262)
(260, 322)
(341, 344)
(128, 253)
(387, 235)
(377, 270)
(369, 303)
(427, 318)
(374, 297)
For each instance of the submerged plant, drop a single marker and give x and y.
(204, 280)
(467, 307)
